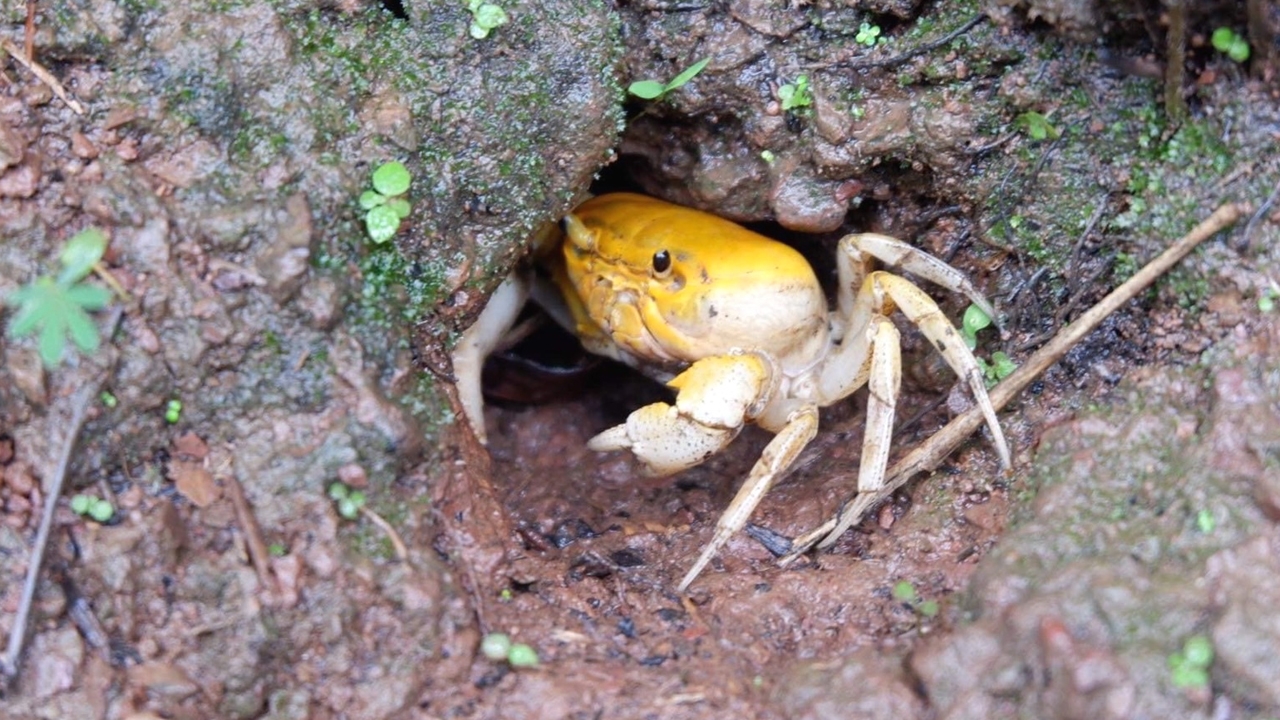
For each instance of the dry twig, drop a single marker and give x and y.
(44, 75)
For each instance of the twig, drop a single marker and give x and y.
(29, 32)
(18, 634)
(1247, 241)
(402, 552)
(913, 52)
(44, 75)
(258, 553)
(935, 449)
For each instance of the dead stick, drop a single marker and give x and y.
(259, 555)
(935, 449)
(402, 552)
(44, 75)
(18, 634)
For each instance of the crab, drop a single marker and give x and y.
(738, 325)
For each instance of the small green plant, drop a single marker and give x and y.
(1000, 367)
(485, 18)
(349, 501)
(1205, 522)
(796, 94)
(498, 647)
(868, 35)
(57, 307)
(905, 592)
(1228, 41)
(975, 319)
(768, 156)
(1036, 126)
(653, 89)
(92, 506)
(1190, 665)
(1267, 300)
(173, 411)
(277, 549)
(107, 399)
(385, 205)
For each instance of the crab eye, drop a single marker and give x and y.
(661, 262)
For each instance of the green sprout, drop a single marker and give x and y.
(173, 411)
(1000, 367)
(349, 501)
(92, 506)
(905, 592)
(975, 319)
(1189, 666)
(498, 647)
(107, 399)
(495, 646)
(1036, 126)
(485, 18)
(768, 156)
(1267, 300)
(653, 89)
(1226, 40)
(277, 549)
(56, 308)
(868, 35)
(796, 95)
(522, 655)
(385, 205)
(1205, 522)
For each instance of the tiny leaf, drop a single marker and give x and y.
(370, 199)
(490, 16)
(646, 89)
(400, 206)
(81, 253)
(392, 179)
(382, 223)
(688, 74)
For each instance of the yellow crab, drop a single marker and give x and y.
(738, 325)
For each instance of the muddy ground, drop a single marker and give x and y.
(222, 148)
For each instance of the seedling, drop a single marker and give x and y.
(349, 501)
(975, 319)
(107, 399)
(653, 89)
(173, 411)
(485, 18)
(768, 156)
(498, 647)
(56, 308)
(1000, 367)
(1228, 41)
(796, 95)
(1267, 300)
(1205, 522)
(905, 592)
(385, 205)
(868, 35)
(1190, 665)
(93, 507)
(1036, 126)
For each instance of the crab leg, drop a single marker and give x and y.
(778, 455)
(481, 339)
(853, 263)
(882, 292)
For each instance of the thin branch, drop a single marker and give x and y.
(937, 448)
(18, 634)
(913, 52)
(44, 75)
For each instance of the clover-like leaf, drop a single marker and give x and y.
(381, 223)
(392, 179)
